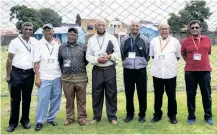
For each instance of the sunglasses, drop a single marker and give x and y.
(27, 29)
(195, 28)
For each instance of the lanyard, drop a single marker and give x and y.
(28, 49)
(164, 45)
(196, 46)
(132, 44)
(100, 46)
(50, 51)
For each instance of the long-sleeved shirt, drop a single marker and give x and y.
(73, 63)
(97, 46)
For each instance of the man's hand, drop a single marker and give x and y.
(8, 78)
(106, 56)
(38, 82)
(102, 60)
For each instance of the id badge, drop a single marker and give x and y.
(161, 57)
(197, 56)
(67, 63)
(132, 55)
(50, 62)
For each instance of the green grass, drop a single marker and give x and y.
(134, 127)
(180, 76)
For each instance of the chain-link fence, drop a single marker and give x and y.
(118, 14)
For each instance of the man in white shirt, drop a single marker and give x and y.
(102, 51)
(20, 75)
(48, 79)
(165, 51)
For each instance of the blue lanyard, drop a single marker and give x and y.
(132, 44)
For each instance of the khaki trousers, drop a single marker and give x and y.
(71, 91)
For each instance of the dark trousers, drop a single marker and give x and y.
(138, 77)
(169, 85)
(21, 82)
(192, 79)
(104, 81)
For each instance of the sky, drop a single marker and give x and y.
(125, 10)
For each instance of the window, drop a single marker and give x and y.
(89, 27)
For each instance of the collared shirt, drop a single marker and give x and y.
(46, 53)
(23, 52)
(73, 63)
(189, 49)
(165, 52)
(98, 45)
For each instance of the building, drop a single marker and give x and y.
(89, 25)
(61, 33)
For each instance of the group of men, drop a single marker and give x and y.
(55, 67)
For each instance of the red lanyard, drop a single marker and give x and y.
(164, 45)
(196, 46)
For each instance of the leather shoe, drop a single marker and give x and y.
(128, 118)
(38, 126)
(82, 122)
(11, 128)
(68, 122)
(53, 123)
(209, 121)
(155, 119)
(27, 125)
(141, 119)
(114, 122)
(173, 121)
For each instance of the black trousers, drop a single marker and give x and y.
(138, 77)
(21, 82)
(169, 85)
(192, 79)
(104, 81)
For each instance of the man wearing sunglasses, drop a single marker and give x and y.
(20, 75)
(196, 50)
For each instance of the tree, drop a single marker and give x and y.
(36, 17)
(194, 10)
(78, 20)
(48, 15)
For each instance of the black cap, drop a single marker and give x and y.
(73, 29)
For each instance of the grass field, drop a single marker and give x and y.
(134, 127)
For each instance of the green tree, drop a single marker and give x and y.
(194, 10)
(36, 17)
(48, 15)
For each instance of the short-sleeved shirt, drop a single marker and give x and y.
(164, 64)
(47, 55)
(188, 50)
(23, 52)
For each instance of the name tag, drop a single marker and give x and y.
(50, 62)
(132, 55)
(67, 63)
(161, 57)
(197, 56)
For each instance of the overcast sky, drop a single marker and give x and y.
(149, 10)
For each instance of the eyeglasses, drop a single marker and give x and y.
(195, 28)
(27, 29)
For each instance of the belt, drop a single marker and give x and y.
(22, 70)
(104, 68)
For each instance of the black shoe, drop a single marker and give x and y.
(38, 126)
(11, 128)
(173, 120)
(53, 123)
(128, 119)
(141, 119)
(155, 119)
(27, 125)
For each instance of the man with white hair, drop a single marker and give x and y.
(165, 51)
(135, 56)
(102, 51)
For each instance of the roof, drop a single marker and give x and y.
(150, 26)
(62, 29)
